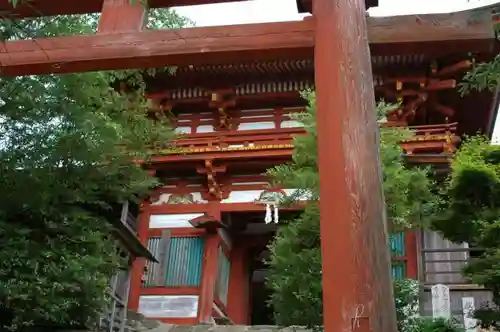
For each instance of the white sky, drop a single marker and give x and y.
(257, 11)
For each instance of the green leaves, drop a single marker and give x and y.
(68, 145)
(295, 263)
(471, 213)
(67, 149)
(484, 76)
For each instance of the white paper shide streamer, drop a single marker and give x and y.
(269, 216)
(271, 201)
(271, 213)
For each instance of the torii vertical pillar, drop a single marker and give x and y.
(357, 287)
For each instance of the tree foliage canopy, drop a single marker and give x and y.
(484, 75)
(470, 208)
(67, 150)
(470, 213)
(295, 264)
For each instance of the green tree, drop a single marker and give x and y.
(67, 149)
(295, 263)
(470, 208)
(485, 75)
(470, 213)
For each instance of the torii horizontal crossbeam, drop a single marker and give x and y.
(157, 48)
(237, 43)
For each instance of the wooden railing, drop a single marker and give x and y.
(445, 266)
(235, 141)
(435, 139)
(428, 139)
(440, 129)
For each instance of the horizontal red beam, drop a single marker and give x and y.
(229, 155)
(170, 291)
(238, 43)
(223, 207)
(158, 48)
(37, 8)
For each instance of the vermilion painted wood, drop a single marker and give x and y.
(138, 264)
(176, 321)
(158, 48)
(239, 285)
(233, 155)
(411, 255)
(209, 272)
(357, 287)
(121, 16)
(170, 291)
(437, 34)
(224, 207)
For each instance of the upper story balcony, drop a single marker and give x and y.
(269, 133)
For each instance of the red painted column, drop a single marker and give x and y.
(239, 286)
(357, 290)
(122, 16)
(411, 255)
(138, 264)
(209, 271)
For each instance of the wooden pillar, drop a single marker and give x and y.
(411, 255)
(357, 289)
(210, 265)
(139, 264)
(239, 286)
(122, 16)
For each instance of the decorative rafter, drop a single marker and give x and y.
(419, 94)
(214, 187)
(222, 100)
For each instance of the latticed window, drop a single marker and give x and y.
(180, 261)
(398, 250)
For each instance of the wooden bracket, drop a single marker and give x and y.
(221, 101)
(214, 188)
(418, 93)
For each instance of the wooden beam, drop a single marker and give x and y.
(122, 16)
(432, 34)
(38, 8)
(186, 46)
(305, 6)
(238, 43)
(464, 25)
(357, 297)
(210, 264)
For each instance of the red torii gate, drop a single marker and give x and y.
(356, 265)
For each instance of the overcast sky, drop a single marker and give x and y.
(256, 11)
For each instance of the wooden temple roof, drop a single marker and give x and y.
(193, 85)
